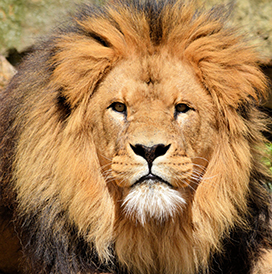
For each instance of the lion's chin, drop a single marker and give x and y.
(152, 201)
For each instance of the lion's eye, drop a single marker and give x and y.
(119, 107)
(182, 108)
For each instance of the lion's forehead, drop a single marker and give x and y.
(157, 79)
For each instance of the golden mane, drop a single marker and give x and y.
(68, 217)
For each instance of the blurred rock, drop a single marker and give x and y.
(6, 72)
(23, 21)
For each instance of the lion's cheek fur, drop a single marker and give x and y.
(225, 194)
(65, 160)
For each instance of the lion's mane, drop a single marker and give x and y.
(52, 188)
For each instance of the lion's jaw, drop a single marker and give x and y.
(152, 200)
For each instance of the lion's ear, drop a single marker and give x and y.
(80, 63)
(240, 81)
(225, 64)
(82, 58)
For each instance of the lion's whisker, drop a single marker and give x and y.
(201, 158)
(104, 156)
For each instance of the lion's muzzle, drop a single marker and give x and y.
(150, 153)
(150, 192)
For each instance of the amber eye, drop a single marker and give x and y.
(182, 108)
(119, 107)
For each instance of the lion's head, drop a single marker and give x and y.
(134, 138)
(152, 144)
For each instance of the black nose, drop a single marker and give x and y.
(150, 153)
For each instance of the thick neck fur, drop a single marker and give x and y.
(156, 247)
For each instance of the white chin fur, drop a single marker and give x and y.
(152, 201)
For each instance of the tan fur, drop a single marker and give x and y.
(88, 167)
(264, 265)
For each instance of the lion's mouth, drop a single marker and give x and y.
(152, 198)
(151, 179)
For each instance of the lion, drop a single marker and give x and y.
(132, 142)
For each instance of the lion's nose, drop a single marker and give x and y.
(150, 153)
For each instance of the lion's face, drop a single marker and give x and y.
(154, 134)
